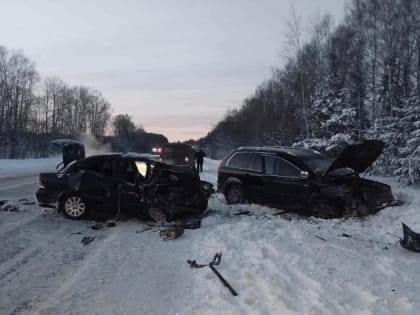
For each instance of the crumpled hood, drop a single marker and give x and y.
(358, 156)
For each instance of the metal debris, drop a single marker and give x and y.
(171, 233)
(215, 262)
(411, 240)
(194, 264)
(87, 239)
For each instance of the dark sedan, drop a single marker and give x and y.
(305, 180)
(138, 183)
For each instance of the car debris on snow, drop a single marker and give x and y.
(26, 202)
(194, 264)
(111, 223)
(144, 230)
(243, 212)
(171, 233)
(96, 226)
(411, 240)
(190, 224)
(13, 206)
(215, 262)
(321, 238)
(87, 239)
(7, 206)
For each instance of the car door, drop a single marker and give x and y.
(98, 186)
(283, 184)
(240, 168)
(132, 173)
(254, 179)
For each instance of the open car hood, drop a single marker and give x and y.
(358, 156)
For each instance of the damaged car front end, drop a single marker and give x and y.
(135, 183)
(339, 181)
(304, 180)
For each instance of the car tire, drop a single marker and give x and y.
(325, 209)
(73, 207)
(234, 194)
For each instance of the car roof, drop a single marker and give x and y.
(293, 151)
(134, 155)
(130, 155)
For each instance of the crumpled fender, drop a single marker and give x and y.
(207, 187)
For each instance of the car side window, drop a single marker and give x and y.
(240, 160)
(101, 166)
(269, 164)
(285, 169)
(257, 163)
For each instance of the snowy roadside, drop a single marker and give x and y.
(278, 264)
(296, 265)
(16, 168)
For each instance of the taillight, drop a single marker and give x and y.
(40, 183)
(218, 170)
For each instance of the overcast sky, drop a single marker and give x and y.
(175, 66)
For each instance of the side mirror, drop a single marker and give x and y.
(304, 174)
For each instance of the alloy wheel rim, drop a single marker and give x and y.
(74, 206)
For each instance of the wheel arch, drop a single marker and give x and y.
(319, 199)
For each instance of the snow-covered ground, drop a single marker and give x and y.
(278, 264)
(15, 168)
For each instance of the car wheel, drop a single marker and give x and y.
(325, 209)
(74, 207)
(234, 194)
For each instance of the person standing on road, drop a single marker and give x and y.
(199, 157)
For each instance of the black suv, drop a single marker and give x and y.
(305, 180)
(134, 182)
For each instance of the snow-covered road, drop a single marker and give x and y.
(278, 265)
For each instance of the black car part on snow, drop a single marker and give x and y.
(411, 240)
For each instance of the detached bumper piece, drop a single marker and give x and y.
(411, 240)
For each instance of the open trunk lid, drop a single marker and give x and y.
(72, 150)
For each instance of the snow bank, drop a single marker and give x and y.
(14, 168)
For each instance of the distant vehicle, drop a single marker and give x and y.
(305, 180)
(176, 154)
(134, 182)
